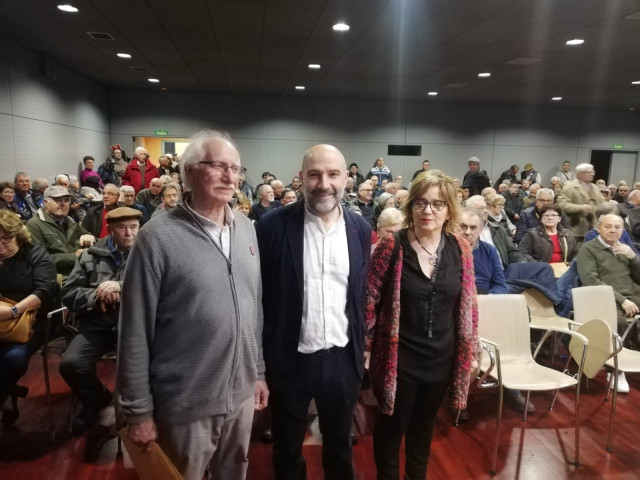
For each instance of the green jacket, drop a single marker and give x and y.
(60, 244)
(597, 265)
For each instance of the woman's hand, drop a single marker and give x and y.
(6, 313)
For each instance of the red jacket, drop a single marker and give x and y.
(132, 175)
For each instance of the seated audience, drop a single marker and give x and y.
(26, 198)
(170, 198)
(365, 201)
(549, 242)
(28, 277)
(93, 292)
(95, 221)
(128, 195)
(151, 197)
(288, 196)
(626, 238)
(7, 201)
(389, 221)
(530, 217)
(266, 202)
(40, 185)
(243, 204)
(514, 203)
(495, 204)
(58, 233)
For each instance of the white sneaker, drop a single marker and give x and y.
(623, 385)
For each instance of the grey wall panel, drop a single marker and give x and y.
(256, 117)
(546, 160)
(283, 158)
(7, 159)
(604, 129)
(5, 89)
(359, 121)
(136, 113)
(44, 149)
(89, 142)
(537, 127)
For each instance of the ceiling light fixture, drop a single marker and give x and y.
(67, 8)
(300, 87)
(124, 55)
(637, 82)
(314, 66)
(575, 41)
(556, 99)
(341, 27)
(484, 75)
(432, 94)
(153, 80)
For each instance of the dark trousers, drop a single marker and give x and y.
(14, 359)
(78, 365)
(414, 415)
(330, 378)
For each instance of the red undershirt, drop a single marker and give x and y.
(557, 251)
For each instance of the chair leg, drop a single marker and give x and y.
(613, 404)
(577, 413)
(526, 406)
(494, 460)
(47, 386)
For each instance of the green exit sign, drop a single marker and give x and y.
(618, 146)
(162, 133)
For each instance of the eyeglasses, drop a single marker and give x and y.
(550, 216)
(223, 167)
(365, 190)
(542, 200)
(6, 239)
(436, 205)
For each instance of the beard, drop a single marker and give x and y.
(322, 205)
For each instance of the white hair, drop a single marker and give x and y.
(195, 151)
(127, 189)
(390, 216)
(583, 167)
(547, 191)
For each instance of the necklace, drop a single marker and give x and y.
(433, 257)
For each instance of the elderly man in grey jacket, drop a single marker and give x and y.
(190, 366)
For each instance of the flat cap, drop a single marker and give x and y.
(473, 160)
(123, 213)
(56, 191)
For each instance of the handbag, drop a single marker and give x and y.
(16, 330)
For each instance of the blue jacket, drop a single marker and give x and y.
(281, 243)
(488, 269)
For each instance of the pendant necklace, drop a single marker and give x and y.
(433, 257)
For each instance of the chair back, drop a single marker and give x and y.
(504, 319)
(539, 305)
(598, 332)
(593, 302)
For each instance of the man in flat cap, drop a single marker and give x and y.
(476, 179)
(93, 292)
(52, 228)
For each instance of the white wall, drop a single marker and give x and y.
(273, 133)
(48, 125)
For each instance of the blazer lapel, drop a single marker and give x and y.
(294, 231)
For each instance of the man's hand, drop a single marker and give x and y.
(623, 249)
(367, 359)
(108, 292)
(143, 434)
(630, 308)
(261, 395)
(87, 240)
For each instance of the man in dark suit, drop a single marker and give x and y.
(314, 258)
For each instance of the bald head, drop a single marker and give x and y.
(324, 178)
(323, 151)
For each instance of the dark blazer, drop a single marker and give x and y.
(281, 243)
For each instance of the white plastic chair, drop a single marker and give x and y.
(503, 326)
(598, 302)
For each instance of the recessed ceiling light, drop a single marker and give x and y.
(432, 94)
(575, 41)
(300, 87)
(637, 82)
(556, 99)
(631, 109)
(484, 75)
(124, 55)
(341, 27)
(153, 80)
(314, 66)
(67, 8)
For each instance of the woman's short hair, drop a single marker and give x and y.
(384, 198)
(552, 207)
(12, 225)
(172, 185)
(494, 199)
(243, 201)
(4, 185)
(390, 216)
(448, 193)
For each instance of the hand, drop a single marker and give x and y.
(87, 240)
(630, 308)
(143, 434)
(108, 292)
(516, 217)
(588, 209)
(623, 249)
(79, 252)
(6, 313)
(261, 395)
(367, 359)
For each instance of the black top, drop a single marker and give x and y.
(29, 271)
(428, 304)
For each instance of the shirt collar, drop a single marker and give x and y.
(205, 222)
(605, 244)
(310, 217)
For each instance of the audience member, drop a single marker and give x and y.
(40, 185)
(514, 202)
(295, 185)
(277, 186)
(531, 175)
(579, 199)
(355, 174)
(365, 202)
(389, 221)
(530, 217)
(113, 168)
(7, 201)
(314, 258)
(93, 292)
(603, 209)
(475, 179)
(96, 220)
(288, 196)
(170, 197)
(401, 197)
(151, 197)
(550, 242)
(565, 174)
(265, 203)
(88, 171)
(426, 165)
(140, 172)
(495, 204)
(58, 233)
(193, 384)
(621, 197)
(511, 175)
(129, 200)
(28, 200)
(243, 186)
(380, 171)
(166, 167)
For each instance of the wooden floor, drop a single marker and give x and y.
(540, 448)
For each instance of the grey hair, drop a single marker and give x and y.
(555, 178)
(127, 189)
(390, 216)
(612, 213)
(20, 174)
(173, 185)
(473, 211)
(195, 151)
(62, 175)
(547, 191)
(38, 183)
(276, 183)
(583, 167)
(633, 194)
(111, 185)
(261, 187)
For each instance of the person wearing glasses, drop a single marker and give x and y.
(550, 242)
(422, 320)
(530, 217)
(52, 228)
(190, 366)
(27, 276)
(95, 221)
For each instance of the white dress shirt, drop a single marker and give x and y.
(220, 235)
(326, 275)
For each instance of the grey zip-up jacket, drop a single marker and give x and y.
(190, 330)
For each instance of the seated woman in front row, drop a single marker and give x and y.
(549, 242)
(27, 276)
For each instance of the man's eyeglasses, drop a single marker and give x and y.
(436, 205)
(551, 216)
(222, 167)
